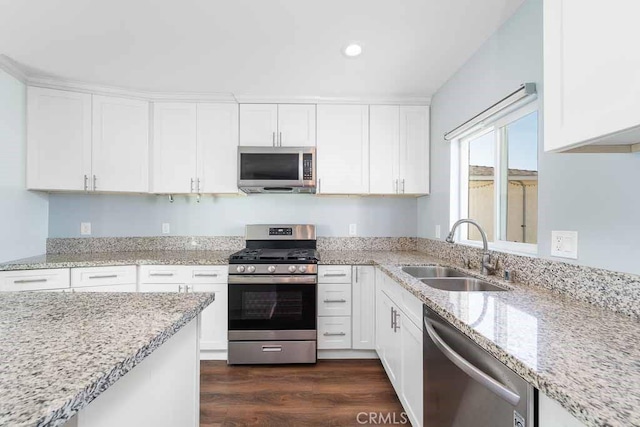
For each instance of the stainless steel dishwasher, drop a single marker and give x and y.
(464, 386)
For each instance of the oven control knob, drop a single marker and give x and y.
(271, 269)
(240, 269)
(302, 268)
(292, 269)
(251, 269)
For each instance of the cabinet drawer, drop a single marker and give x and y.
(131, 287)
(103, 276)
(334, 274)
(34, 280)
(208, 274)
(334, 299)
(334, 332)
(163, 274)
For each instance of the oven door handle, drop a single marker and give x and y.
(271, 280)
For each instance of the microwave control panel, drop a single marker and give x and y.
(307, 167)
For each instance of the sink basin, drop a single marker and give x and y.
(462, 284)
(432, 271)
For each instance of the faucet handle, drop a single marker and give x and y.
(490, 265)
(466, 262)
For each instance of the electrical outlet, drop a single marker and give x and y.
(166, 228)
(564, 244)
(437, 231)
(85, 228)
(353, 230)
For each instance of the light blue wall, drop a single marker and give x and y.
(594, 194)
(23, 215)
(139, 215)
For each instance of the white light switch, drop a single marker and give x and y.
(166, 228)
(85, 228)
(564, 244)
(353, 230)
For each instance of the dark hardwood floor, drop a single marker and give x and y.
(330, 393)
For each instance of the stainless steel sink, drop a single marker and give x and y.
(432, 271)
(462, 284)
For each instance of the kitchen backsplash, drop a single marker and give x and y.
(615, 291)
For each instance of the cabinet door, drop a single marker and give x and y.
(592, 89)
(120, 149)
(218, 148)
(162, 287)
(364, 306)
(213, 323)
(107, 288)
(411, 370)
(59, 139)
(385, 149)
(343, 149)
(388, 339)
(551, 414)
(296, 125)
(174, 148)
(258, 124)
(414, 150)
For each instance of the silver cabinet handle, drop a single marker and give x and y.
(357, 274)
(475, 373)
(271, 348)
(95, 183)
(396, 185)
(396, 325)
(191, 186)
(334, 334)
(273, 139)
(205, 275)
(161, 274)
(86, 183)
(402, 185)
(188, 288)
(319, 185)
(393, 318)
(179, 288)
(335, 300)
(334, 275)
(104, 276)
(30, 281)
(280, 142)
(198, 185)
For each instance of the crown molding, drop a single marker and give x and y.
(18, 71)
(378, 100)
(12, 68)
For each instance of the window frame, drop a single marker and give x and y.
(460, 180)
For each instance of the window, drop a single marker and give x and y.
(496, 178)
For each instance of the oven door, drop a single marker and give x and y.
(276, 167)
(260, 310)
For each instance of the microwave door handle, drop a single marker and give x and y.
(475, 373)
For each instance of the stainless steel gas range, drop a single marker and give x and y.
(273, 296)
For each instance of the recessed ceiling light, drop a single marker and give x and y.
(352, 50)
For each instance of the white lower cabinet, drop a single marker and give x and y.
(334, 332)
(213, 330)
(106, 288)
(363, 308)
(551, 414)
(399, 343)
(34, 280)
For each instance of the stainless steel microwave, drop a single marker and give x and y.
(277, 169)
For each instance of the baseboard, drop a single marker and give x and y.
(347, 354)
(213, 354)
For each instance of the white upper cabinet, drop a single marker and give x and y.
(273, 125)
(414, 150)
(343, 149)
(59, 139)
(399, 159)
(217, 148)
(384, 159)
(120, 149)
(592, 89)
(296, 125)
(258, 124)
(174, 148)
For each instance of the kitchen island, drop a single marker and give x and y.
(69, 358)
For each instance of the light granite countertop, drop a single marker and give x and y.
(59, 351)
(581, 355)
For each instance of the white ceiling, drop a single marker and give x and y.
(253, 47)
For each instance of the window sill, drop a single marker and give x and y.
(522, 249)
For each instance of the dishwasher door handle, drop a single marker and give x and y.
(475, 373)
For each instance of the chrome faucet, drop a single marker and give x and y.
(486, 267)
